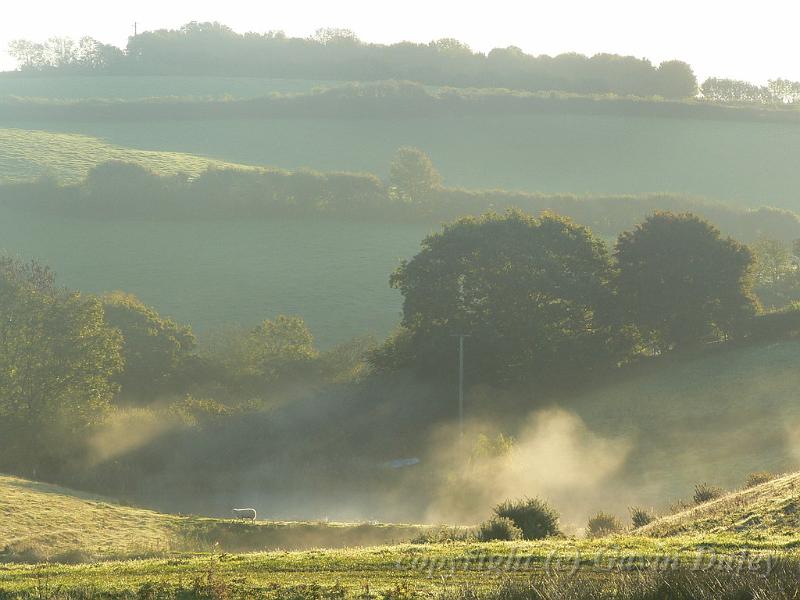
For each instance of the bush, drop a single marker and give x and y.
(499, 528)
(704, 492)
(535, 518)
(757, 478)
(640, 517)
(603, 524)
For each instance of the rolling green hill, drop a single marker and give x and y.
(26, 155)
(770, 508)
(44, 521)
(745, 162)
(710, 418)
(665, 426)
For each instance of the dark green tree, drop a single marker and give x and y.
(534, 295)
(681, 282)
(675, 79)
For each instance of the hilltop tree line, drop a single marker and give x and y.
(777, 91)
(412, 192)
(338, 54)
(544, 301)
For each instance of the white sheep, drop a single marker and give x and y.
(245, 513)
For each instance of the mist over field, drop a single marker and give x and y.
(327, 317)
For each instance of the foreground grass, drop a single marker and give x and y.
(417, 568)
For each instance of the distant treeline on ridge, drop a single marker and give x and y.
(338, 54)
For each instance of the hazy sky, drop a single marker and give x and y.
(733, 38)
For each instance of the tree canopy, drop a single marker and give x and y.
(412, 175)
(154, 348)
(533, 294)
(58, 358)
(681, 282)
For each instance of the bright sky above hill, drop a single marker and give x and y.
(755, 41)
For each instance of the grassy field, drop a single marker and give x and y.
(44, 521)
(664, 427)
(213, 274)
(419, 568)
(131, 88)
(60, 519)
(735, 161)
(26, 155)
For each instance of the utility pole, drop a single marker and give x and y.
(461, 337)
(135, 29)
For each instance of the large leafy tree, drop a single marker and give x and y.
(154, 348)
(57, 362)
(533, 294)
(681, 282)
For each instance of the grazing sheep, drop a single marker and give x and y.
(245, 513)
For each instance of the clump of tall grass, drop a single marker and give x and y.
(680, 584)
(703, 492)
(603, 524)
(444, 534)
(640, 517)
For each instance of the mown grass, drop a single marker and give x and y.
(45, 522)
(26, 155)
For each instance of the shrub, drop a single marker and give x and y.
(704, 492)
(603, 524)
(757, 478)
(533, 516)
(499, 528)
(640, 517)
